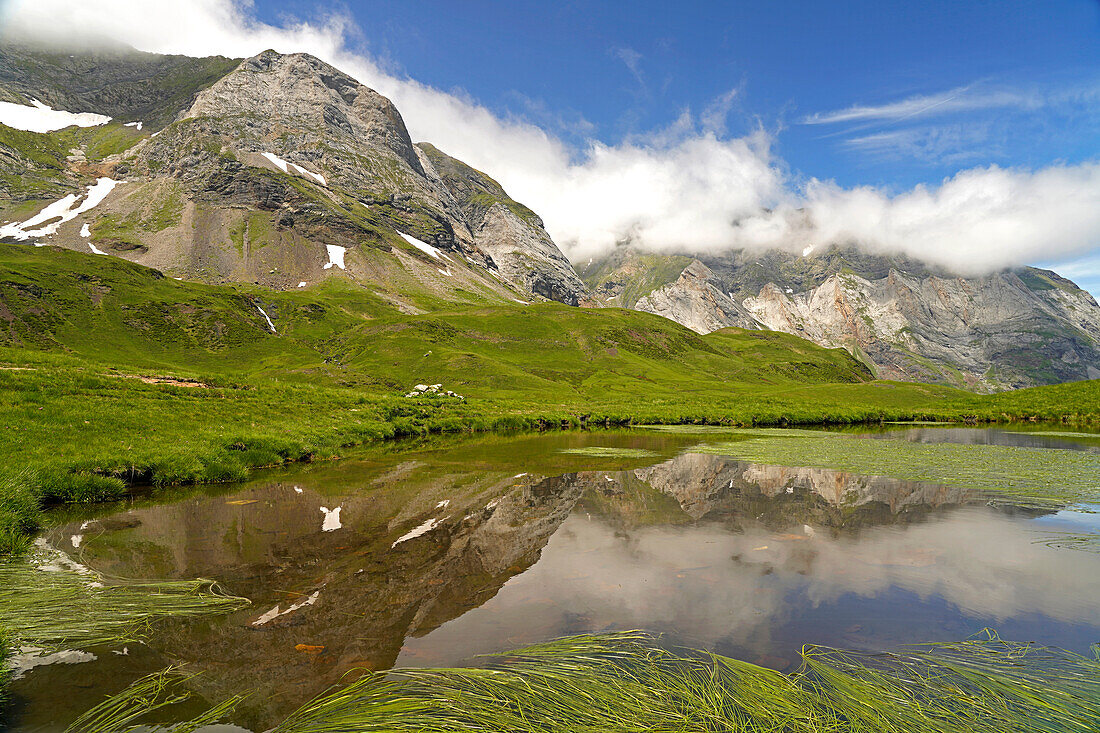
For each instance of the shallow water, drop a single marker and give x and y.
(426, 554)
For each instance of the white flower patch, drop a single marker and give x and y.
(42, 118)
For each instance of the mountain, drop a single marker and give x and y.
(283, 172)
(277, 170)
(905, 319)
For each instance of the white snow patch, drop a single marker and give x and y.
(302, 284)
(136, 125)
(492, 504)
(98, 251)
(42, 118)
(424, 528)
(85, 231)
(809, 248)
(76, 540)
(124, 653)
(297, 489)
(425, 248)
(266, 318)
(444, 272)
(335, 256)
(30, 657)
(788, 290)
(276, 160)
(285, 167)
(332, 519)
(519, 475)
(275, 613)
(443, 504)
(315, 176)
(61, 210)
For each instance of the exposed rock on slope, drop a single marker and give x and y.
(911, 321)
(286, 171)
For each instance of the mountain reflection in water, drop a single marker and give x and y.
(435, 561)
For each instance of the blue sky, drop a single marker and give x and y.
(1004, 82)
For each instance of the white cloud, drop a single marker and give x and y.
(686, 187)
(956, 100)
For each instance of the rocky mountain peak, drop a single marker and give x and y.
(299, 95)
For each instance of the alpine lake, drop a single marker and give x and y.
(750, 543)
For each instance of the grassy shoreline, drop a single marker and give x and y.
(85, 433)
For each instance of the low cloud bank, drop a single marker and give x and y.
(686, 188)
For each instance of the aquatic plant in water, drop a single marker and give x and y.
(1040, 477)
(629, 682)
(48, 600)
(598, 451)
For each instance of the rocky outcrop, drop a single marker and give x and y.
(511, 236)
(694, 301)
(269, 171)
(908, 320)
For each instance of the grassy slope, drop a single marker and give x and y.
(75, 330)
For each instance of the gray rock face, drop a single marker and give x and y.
(913, 322)
(347, 144)
(510, 235)
(694, 301)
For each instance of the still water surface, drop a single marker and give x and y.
(428, 554)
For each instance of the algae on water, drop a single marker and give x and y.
(1040, 477)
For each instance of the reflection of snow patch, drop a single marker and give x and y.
(30, 657)
(412, 534)
(53, 560)
(266, 318)
(332, 519)
(62, 211)
(425, 248)
(42, 118)
(335, 256)
(275, 613)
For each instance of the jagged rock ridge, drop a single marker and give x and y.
(909, 320)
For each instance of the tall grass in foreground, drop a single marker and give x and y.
(627, 682)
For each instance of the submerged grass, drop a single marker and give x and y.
(126, 710)
(628, 682)
(47, 600)
(598, 451)
(1040, 477)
